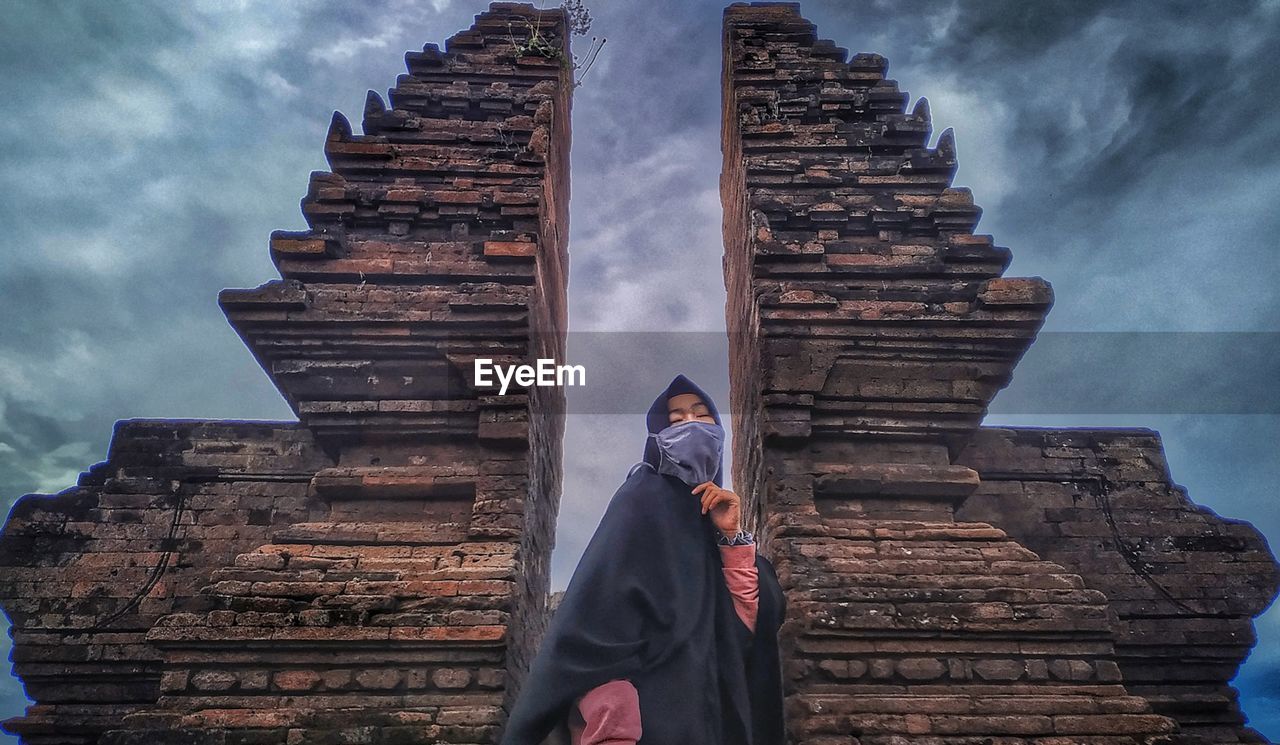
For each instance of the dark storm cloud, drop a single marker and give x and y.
(1125, 151)
(148, 151)
(1134, 140)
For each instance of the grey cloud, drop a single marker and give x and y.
(1123, 150)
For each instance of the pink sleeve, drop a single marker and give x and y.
(742, 577)
(608, 714)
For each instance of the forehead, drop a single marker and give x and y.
(684, 401)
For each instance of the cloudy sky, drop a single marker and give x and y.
(1126, 152)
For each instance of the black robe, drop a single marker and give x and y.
(648, 602)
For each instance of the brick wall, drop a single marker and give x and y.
(1182, 582)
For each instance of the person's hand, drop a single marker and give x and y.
(724, 505)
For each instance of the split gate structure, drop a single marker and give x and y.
(377, 572)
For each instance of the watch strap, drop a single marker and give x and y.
(741, 538)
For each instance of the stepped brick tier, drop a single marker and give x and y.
(1183, 583)
(376, 572)
(939, 590)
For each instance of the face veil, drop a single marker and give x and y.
(690, 451)
(648, 603)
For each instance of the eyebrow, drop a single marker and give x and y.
(694, 406)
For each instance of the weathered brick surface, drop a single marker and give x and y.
(1184, 583)
(87, 572)
(378, 571)
(870, 328)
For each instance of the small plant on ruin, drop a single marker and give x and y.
(538, 44)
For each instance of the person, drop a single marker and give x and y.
(667, 631)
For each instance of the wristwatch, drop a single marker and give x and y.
(741, 538)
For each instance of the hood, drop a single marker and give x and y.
(657, 420)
